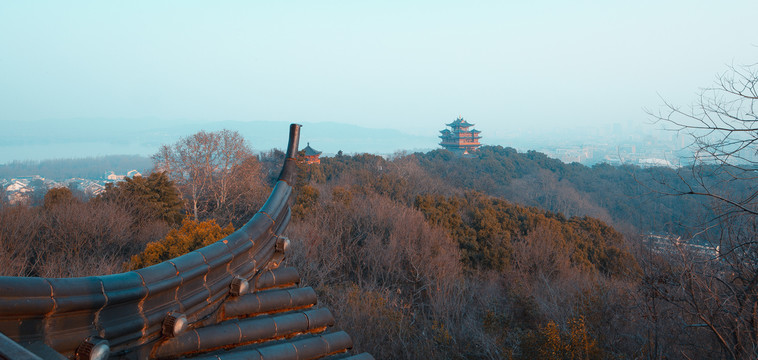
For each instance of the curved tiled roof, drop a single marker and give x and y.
(459, 122)
(277, 320)
(229, 300)
(309, 151)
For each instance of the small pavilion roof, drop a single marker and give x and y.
(460, 122)
(309, 151)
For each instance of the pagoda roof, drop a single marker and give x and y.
(475, 131)
(309, 151)
(459, 122)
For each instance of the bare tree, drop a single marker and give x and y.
(84, 239)
(723, 127)
(243, 194)
(202, 165)
(716, 291)
(3, 197)
(19, 230)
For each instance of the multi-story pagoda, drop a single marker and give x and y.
(311, 155)
(459, 139)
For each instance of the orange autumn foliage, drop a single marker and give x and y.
(192, 235)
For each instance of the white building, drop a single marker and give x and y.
(112, 176)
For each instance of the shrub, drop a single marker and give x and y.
(192, 235)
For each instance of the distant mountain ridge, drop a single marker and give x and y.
(55, 139)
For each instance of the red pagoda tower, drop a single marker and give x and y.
(459, 139)
(311, 155)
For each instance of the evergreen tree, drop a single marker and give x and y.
(56, 196)
(148, 198)
(191, 236)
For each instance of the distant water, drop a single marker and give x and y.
(36, 152)
(72, 139)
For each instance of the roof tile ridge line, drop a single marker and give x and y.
(205, 277)
(269, 216)
(227, 269)
(260, 306)
(96, 322)
(273, 275)
(338, 349)
(219, 303)
(239, 333)
(326, 343)
(308, 321)
(292, 299)
(52, 297)
(297, 353)
(197, 337)
(141, 307)
(50, 313)
(176, 289)
(219, 306)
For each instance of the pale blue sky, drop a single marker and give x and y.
(408, 65)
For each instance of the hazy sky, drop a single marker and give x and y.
(408, 65)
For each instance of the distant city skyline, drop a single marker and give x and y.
(46, 140)
(514, 70)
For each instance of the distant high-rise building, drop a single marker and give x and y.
(459, 139)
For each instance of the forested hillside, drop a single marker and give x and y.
(626, 196)
(507, 255)
(443, 272)
(500, 256)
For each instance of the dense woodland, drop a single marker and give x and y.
(627, 196)
(526, 282)
(503, 255)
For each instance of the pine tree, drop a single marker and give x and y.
(148, 198)
(192, 235)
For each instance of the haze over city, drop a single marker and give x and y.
(353, 180)
(523, 73)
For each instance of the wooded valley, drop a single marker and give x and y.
(427, 255)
